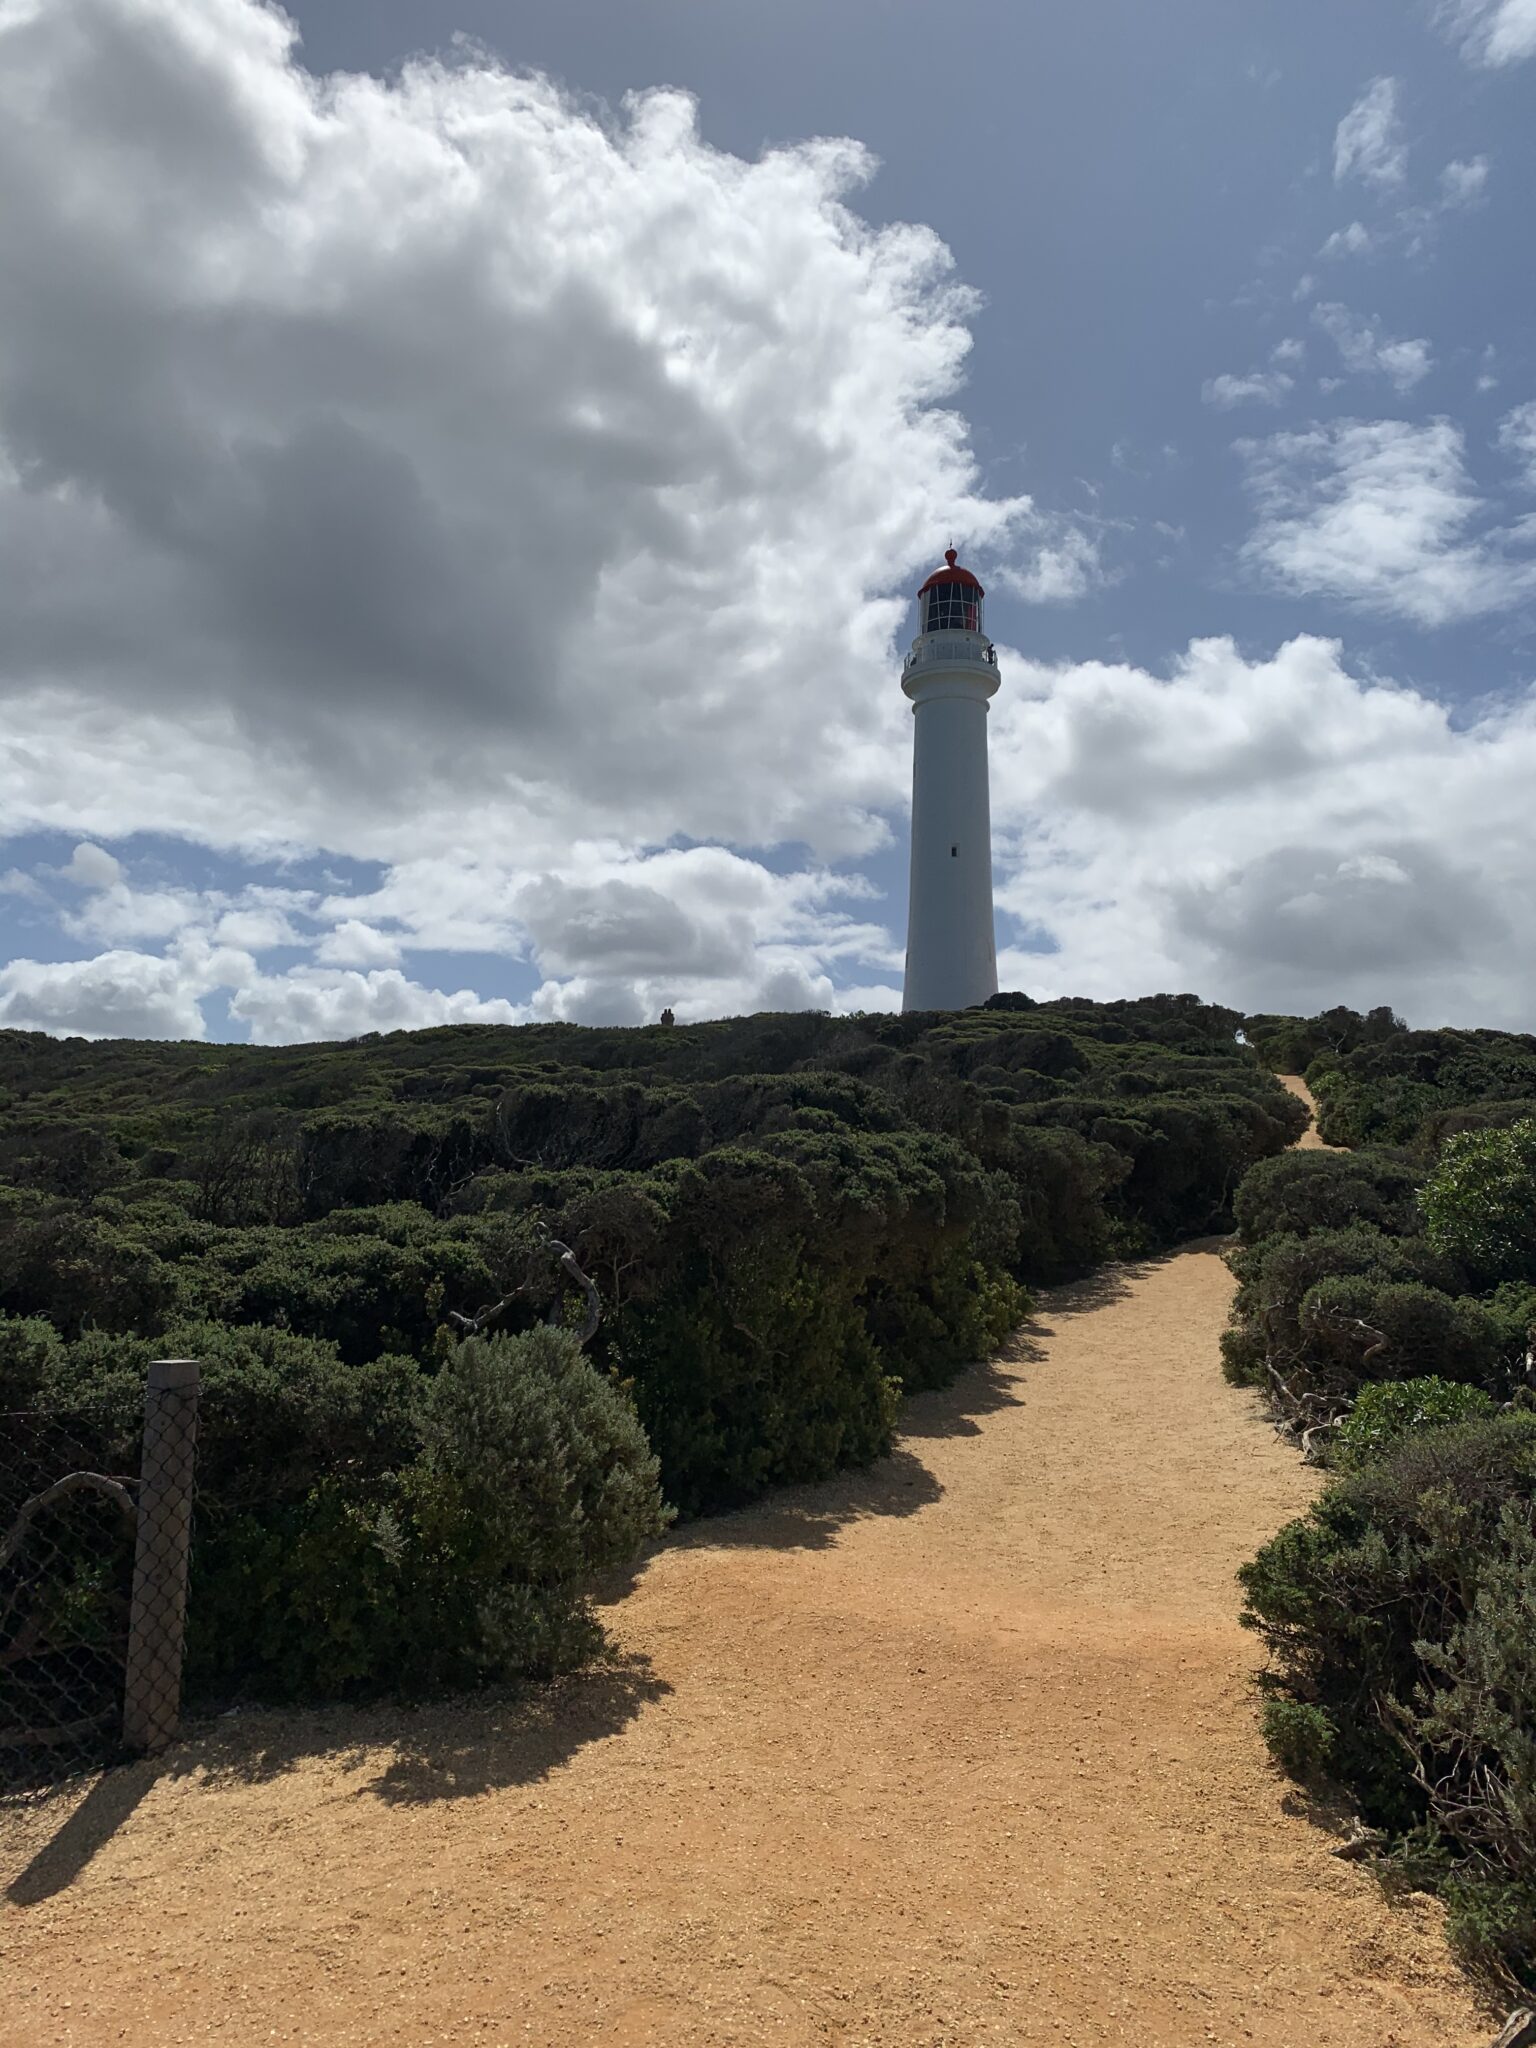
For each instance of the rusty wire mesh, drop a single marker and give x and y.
(66, 1577)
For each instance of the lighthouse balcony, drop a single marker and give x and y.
(949, 651)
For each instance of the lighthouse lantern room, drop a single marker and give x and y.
(951, 676)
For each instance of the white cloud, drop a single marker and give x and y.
(1260, 387)
(617, 936)
(1292, 352)
(1369, 142)
(1414, 228)
(1492, 32)
(1462, 183)
(1354, 240)
(1277, 833)
(27, 887)
(1517, 437)
(311, 1003)
(115, 995)
(352, 943)
(256, 930)
(1060, 571)
(439, 448)
(1364, 349)
(1381, 514)
(91, 867)
(120, 913)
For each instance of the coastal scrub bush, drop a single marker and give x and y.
(792, 1220)
(1479, 1202)
(470, 1562)
(1402, 1608)
(1389, 1409)
(1303, 1192)
(1357, 1327)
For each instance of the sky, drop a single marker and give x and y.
(464, 470)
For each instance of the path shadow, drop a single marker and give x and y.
(110, 1801)
(803, 1517)
(981, 1390)
(451, 1749)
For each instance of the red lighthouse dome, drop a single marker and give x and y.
(950, 601)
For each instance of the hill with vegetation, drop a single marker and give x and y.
(791, 1221)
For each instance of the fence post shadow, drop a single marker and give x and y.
(110, 1802)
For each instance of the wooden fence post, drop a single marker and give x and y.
(157, 1620)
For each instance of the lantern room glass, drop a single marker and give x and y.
(952, 608)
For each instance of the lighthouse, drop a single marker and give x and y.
(951, 677)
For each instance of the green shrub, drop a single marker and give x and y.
(1402, 1608)
(1389, 1409)
(30, 1348)
(1479, 1202)
(277, 1412)
(1427, 1333)
(542, 1455)
(1300, 1737)
(470, 1563)
(792, 1220)
(1303, 1192)
(1276, 1276)
(1398, 1091)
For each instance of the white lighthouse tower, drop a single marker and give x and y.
(951, 677)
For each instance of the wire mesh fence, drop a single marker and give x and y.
(66, 1577)
(93, 1577)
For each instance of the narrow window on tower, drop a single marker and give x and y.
(954, 853)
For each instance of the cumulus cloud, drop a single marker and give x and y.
(610, 935)
(352, 943)
(117, 994)
(1260, 387)
(1369, 142)
(1059, 572)
(1365, 350)
(92, 867)
(443, 444)
(309, 1003)
(1492, 32)
(1382, 514)
(1277, 832)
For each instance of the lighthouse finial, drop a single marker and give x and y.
(950, 556)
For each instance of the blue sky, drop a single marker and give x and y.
(458, 514)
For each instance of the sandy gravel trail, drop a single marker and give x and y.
(957, 1751)
(1309, 1141)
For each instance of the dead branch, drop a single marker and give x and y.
(567, 1261)
(1350, 1327)
(473, 1325)
(72, 1482)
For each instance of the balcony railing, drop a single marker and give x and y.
(932, 649)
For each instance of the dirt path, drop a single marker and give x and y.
(957, 1751)
(1309, 1141)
